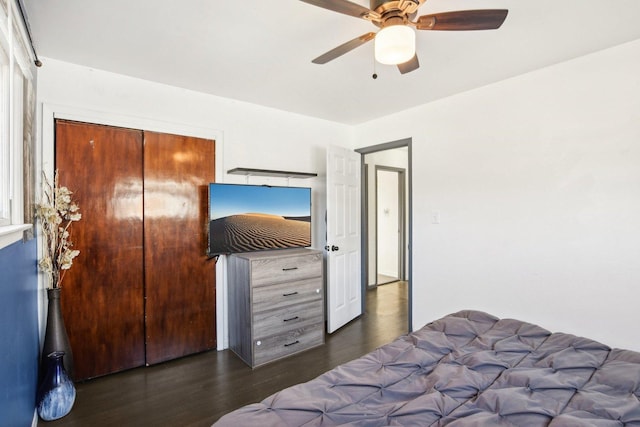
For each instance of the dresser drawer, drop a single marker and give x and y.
(278, 346)
(283, 294)
(284, 319)
(285, 269)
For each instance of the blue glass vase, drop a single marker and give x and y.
(55, 337)
(56, 393)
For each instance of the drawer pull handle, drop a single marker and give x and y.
(289, 294)
(290, 269)
(293, 343)
(290, 319)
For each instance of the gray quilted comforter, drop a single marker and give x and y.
(466, 369)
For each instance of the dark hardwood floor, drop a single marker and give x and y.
(197, 390)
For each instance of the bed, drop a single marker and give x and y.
(467, 369)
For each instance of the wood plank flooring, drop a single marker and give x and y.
(195, 391)
(384, 279)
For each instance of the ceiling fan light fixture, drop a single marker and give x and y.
(395, 44)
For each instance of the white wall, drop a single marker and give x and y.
(537, 182)
(246, 135)
(388, 216)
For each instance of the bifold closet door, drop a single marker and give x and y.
(179, 279)
(103, 295)
(142, 290)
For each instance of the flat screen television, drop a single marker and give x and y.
(246, 218)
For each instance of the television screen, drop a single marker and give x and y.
(245, 218)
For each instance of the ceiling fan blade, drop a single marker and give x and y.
(409, 66)
(463, 20)
(344, 48)
(344, 6)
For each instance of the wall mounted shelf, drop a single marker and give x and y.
(269, 172)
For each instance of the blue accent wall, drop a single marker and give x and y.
(19, 343)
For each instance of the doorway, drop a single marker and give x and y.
(390, 230)
(386, 217)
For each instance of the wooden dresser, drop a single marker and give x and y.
(276, 303)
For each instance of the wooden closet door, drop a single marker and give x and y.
(179, 279)
(102, 297)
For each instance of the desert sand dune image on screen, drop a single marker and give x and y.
(255, 231)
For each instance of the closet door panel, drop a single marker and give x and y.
(102, 297)
(179, 279)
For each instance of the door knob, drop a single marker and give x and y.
(334, 248)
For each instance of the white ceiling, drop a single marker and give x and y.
(260, 51)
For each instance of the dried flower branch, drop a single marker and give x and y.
(57, 211)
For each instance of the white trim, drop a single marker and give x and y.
(10, 234)
(222, 324)
(6, 144)
(17, 144)
(50, 112)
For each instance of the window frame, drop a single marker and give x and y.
(6, 177)
(16, 73)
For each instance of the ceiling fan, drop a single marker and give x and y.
(395, 41)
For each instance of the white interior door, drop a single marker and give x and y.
(344, 292)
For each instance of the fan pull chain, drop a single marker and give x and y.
(374, 75)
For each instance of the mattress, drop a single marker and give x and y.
(467, 369)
